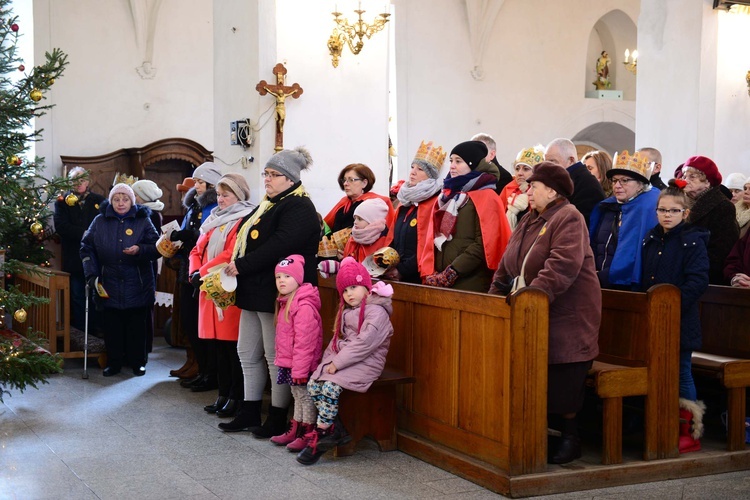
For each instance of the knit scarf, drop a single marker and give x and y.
(155, 206)
(453, 198)
(370, 233)
(413, 195)
(219, 217)
(743, 213)
(240, 246)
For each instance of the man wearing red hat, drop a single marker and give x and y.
(713, 211)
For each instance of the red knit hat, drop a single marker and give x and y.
(352, 273)
(294, 266)
(707, 166)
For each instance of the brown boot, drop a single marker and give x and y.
(189, 362)
(191, 372)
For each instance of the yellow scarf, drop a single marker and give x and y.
(240, 245)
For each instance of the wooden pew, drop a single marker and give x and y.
(478, 405)
(639, 344)
(725, 354)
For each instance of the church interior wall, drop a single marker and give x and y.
(689, 93)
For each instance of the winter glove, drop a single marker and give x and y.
(195, 280)
(180, 235)
(91, 282)
(328, 267)
(299, 381)
(445, 279)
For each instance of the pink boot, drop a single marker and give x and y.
(289, 436)
(691, 425)
(300, 443)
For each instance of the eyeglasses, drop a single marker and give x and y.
(349, 180)
(270, 175)
(693, 177)
(670, 211)
(622, 182)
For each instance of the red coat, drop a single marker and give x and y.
(299, 341)
(738, 260)
(209, 325)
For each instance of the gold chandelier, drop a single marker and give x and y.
(352, 34)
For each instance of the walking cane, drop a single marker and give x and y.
(86, 336)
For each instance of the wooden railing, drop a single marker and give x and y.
(53, 318)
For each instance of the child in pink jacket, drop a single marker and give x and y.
(299, 342)
(355, 357)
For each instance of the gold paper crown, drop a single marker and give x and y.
(124, 179)
(530, 156)
(637, 163)
(435, 156)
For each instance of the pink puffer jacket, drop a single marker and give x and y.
(299, 341)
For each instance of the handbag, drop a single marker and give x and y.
(519, 281)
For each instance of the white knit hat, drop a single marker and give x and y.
(147, 190)
(122, 188)
(735, 181)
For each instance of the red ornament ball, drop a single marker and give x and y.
(14, 27)
(60, 197)
(22, 68)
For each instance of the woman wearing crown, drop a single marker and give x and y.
(416, 198)
(620, 222)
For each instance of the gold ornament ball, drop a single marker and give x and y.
(71, 200)
(50, 81)
(36, 95)
(36, 228)
(20, 315)
(12, 160)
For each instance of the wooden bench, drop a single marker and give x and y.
(725, 354)
(53, 318)
(639, 341)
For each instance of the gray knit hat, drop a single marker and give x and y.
(208, 172)
(237, 184)
(290, 162)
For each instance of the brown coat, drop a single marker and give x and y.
(562, 264)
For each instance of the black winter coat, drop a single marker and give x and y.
(70, 224)
(128, 279)
(680, 258)
(405, 242)
(713, 211)
(198, 209)
(587, 192)
(289, 227)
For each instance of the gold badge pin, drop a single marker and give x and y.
(129, 232)
(413, 222)
(96, 206)
(200, 215)
(544, 230)
(254, 234)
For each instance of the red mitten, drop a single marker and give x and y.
(445, 279)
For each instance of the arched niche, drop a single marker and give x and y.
(609, 136)
(614, 32)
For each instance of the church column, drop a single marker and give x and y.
(676, 86)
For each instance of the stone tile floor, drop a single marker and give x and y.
(145, 437)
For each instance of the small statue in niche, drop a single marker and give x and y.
(602, 72)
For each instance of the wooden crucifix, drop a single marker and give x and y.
(280, 92)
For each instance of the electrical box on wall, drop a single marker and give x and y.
(240, 133)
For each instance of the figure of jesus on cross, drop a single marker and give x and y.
(280, 92)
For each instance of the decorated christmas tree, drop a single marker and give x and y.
(25, 197)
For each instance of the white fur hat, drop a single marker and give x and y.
(735, 181)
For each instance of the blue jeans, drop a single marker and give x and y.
(687, 386)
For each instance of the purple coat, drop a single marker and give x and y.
(299, 341)
(361, 356)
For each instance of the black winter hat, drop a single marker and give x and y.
(472, 152)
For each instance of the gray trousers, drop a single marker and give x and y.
(256, 347)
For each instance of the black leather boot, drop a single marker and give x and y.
(570, 444)
(275, 424)
(217, 405)
(207, 383)
(247, 416)
(188, 383)
(230, 409)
